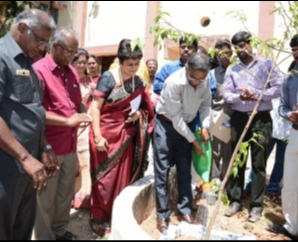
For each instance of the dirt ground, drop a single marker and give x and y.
(237, 224)
(79, 222)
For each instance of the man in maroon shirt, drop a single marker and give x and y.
(64, 112)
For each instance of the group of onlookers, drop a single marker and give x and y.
(234, 90)
(92, 131)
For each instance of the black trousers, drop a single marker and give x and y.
(169, 148)
(262, 125)
(17, 207)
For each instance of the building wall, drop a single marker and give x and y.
(67, 16)
(102, 28)
(186, 16)
(284, 59)
(112, 21)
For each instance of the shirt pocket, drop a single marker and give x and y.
(23, 89)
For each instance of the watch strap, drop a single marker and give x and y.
(47, 147)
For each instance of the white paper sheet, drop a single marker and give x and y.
(135, 103)
(217, 129)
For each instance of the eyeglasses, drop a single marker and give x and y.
(41, 42)
(66, 52)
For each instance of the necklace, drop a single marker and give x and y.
(122, 82)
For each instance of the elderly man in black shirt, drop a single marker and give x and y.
(22, 123)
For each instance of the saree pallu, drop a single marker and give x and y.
(124, 162)
(81, 198)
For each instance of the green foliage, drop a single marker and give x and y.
(242, 155)
(137, 42)
(13, 9)
(163, 29)
(215, 189)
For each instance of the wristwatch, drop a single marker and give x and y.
(47, 147)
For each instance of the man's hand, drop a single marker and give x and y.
(247, 95)
(198, 148)
(293, 116)
(36, 170)
(79, 118)
(50, 162)
(205, 135)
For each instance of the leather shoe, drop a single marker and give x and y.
(187, 218)
(233, 209)
(162, 224)
(254, 215)
(280, 229)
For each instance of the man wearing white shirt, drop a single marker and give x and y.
(184, 93)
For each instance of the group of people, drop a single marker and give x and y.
(71, 136)
(234, 91)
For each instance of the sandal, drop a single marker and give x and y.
(67, 236)
(101, 229)
(275, 198)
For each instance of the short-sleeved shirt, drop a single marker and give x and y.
(20, 103)
(62, 96)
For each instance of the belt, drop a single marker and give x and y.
(295, 126)
(165, 118)
(258, 113)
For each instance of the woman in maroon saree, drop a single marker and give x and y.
(119, 137)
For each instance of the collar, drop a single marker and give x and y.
(256, 59)
(180, 63)
(51, 63)
(14, 48)
(184, 80)
(221, 69)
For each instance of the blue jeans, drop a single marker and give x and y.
(278, 169)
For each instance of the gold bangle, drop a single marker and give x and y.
(98, 139)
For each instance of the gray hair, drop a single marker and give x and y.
(198, 61)
(35, 18)
(60, 34)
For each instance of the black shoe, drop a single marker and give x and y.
(280, 229)
(254, 215)
(233, 209)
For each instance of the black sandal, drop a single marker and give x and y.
(275, 198)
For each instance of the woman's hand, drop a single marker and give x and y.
(101, 144)
(133, 116)
(92, 87)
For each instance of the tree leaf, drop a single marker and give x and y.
(133, 45)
